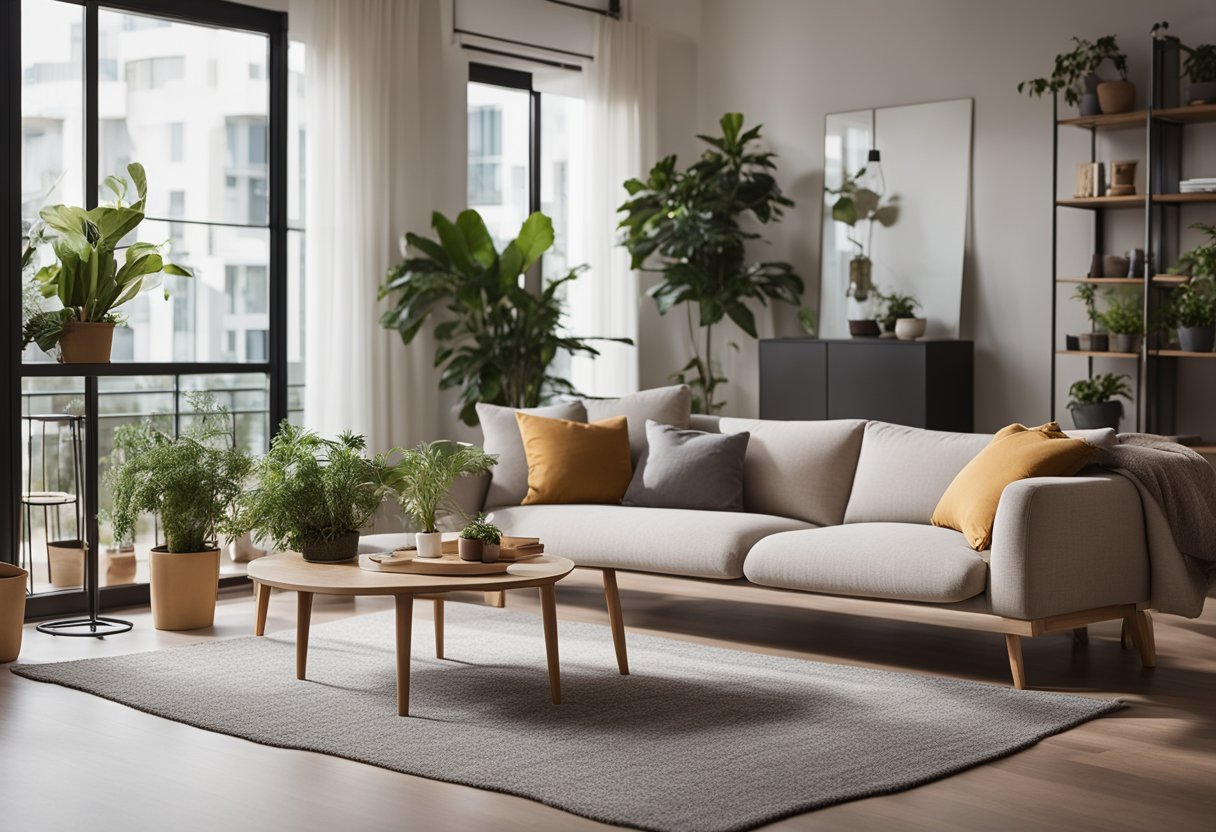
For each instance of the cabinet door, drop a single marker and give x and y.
(876, 380)
(793, 379)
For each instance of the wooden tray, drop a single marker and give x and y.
(446, 564)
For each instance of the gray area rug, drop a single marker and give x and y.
(698, 738)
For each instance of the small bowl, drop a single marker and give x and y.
(1114, 266)
(909, 329)
(867, 328)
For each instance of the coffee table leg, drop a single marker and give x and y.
(613, 598)
(405, 621)
(259, 623)
(303, 620)
(439, 628)
(548, 608)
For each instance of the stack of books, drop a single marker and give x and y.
(1197, 186)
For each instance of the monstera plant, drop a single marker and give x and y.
(87, 278)
(496, 340)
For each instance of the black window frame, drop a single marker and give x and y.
(214, 13)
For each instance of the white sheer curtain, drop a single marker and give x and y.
(367, 184)
(620, 129)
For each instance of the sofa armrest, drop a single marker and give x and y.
(1065, 544)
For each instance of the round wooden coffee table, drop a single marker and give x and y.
(291, 572)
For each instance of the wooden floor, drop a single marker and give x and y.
(69, 760)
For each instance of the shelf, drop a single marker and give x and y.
(1188, 115)
(1105, 281)
(1176, 199)
(1096, 202)
(1183, 354)
(53, 369)
(1092, 354)
(1171, 279)
(1121, 121)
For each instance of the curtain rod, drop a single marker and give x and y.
(545, 61)
(614, 8)
(524, 44)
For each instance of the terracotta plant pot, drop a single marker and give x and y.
(184, 587)
(83, 343)
(1197, 338)
(119, 567)
(66, 558)
(1096, 416)
(490, 552)
(470, 549)
(864, 329)
(1116, 97)
(12, 610)
(341, 548)
(429, 544)
(909, 329)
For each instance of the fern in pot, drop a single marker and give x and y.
(193, 482)
(480, 541)
(312, 495)
(422, 481)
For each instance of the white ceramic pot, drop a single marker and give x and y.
(909, 329)
(429, 544)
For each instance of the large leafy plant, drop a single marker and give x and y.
(87, 278)
(1199, 261)
(1200, 63)
(855, 204)
(308, 489)
(1193, 304)
(422, 479)
(692, 226)
(1071, 68)
(497, 340)
(193, 481)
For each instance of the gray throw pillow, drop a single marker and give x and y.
(666, 405)
(500, 432)
(689, 469)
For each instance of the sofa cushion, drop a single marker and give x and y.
(665, 405)
(500, 436)
(902, 472)
(575, 462)
(689, 469)
(702, 544)
(802, 470)
(904, 561)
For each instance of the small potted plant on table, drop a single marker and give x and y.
(480, 540)
(899, 316)
(1200, 69)
(1193, 312)
(194, 483)
(1092, 341)
(1093, 401)
(422, 481)
(1124, 321)
(312, 495)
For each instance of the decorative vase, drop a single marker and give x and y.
(1126, 343)
(1116, 97)
(242, 550)
(1202, 92)
(1114, 266)
(1196, 338)
(1072, 343)
(909, 329)
(469, 549)
(860, 284)
(490, 552)
(1097, 416)
(1122, 182)
(343, 547)
(86, 343)
(1095, 266)
(65, 559)
(867, 328)
(12, 610)
(429, 544)
(120, 567)
(1089, 97)
(1099, 342)
(184, 587)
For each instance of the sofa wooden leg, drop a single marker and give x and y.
(613, 598)
(1013, 644)
(496, 599)
(1147, 643)
(1081, 635)
(1125, 636)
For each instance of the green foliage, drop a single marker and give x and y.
(309, 489)
(1124, 316)
(855, 204)
(483, 530)
(1099, 389)
(807, 319)
(193, 481)
(1193, 304)
(497, 340)
(1200, 63)
(1201, 260)
(1071, 68)
(1087, 293)
(896, 306)
(691, 224)
(422, 479)
(87, 279)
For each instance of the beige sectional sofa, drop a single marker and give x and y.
(839, 510)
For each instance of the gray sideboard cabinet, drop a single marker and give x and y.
(923, 384)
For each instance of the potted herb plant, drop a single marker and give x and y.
(312, 495)
(1200, 70)
(480, 540)
(1124, 320)
(1095, 340)
(87, 278)
(1075, 73)
(1094, 403)
(856, 204)
(1192, 311)
(193, 482)
(899, 316)
(422, 481)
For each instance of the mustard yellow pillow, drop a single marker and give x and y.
(1015, 453)
(575, 462)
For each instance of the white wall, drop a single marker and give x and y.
(787, 63)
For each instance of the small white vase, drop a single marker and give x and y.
(909, 329)
(429, 544)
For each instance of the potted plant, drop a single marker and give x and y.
(312, 495)
(1075, 73)
(87, 278)
(1200, 70)
(694, 227)
(855, 204)
(13, 580)
(498, 340)
(480, 541)
(193, 482)
(1124, 320)
(1199, 261)
(1093, 341)
(899, 316)
(1193, 312)
(1093, 401)
(422, 481)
